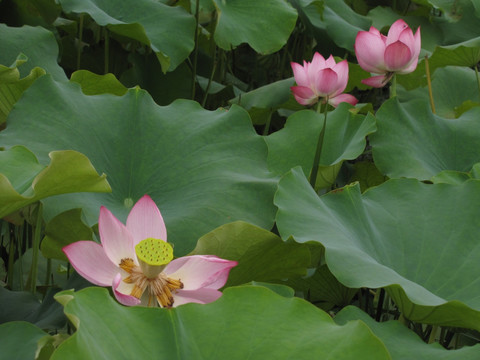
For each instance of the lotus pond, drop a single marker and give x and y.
(239, 179)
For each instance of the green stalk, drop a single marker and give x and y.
(318, 152)
(210, 79)
(107, 45)
(433, 334)
(195, 50)
(35, 249)
(80, 38)
(11, 258)
(478, 79)
(429, 83)
(393, 86)
(266, 129)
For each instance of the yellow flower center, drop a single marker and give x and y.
(153, 255)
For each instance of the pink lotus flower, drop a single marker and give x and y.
(136, 261)
(386, 55)
(321, 79)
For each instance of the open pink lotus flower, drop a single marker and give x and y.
(321, 79)
(136, 261)
(386, 55)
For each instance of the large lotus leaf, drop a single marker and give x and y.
(264, 25)
(202, 168)
(168, 30)
(12, 87)
(24, 181)
(246, 322)
(448, 103)
(94, 84)
(418, 240)
(38, 45)
(402, 343)
(261, 255)
(413, 142)
(295, 144)
(62, 230)
(457, 177)
(19, 340)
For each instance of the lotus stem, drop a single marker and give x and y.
(11, 257)
(318, 152)
(266, 129)
(195, 51)
(433, 334)
(107, 45)
(35, 249)
(478, 79)
(393, 86)
(210, 79)
(429, 83)
(80, 39)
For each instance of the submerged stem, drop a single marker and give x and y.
(429, 83)
(318, 152)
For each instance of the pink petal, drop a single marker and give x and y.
(410, 67)
(116, 239)
(146, 221)
(318, 63)
(330, 62)
(406, 37)
(200, 296)
(326, 83)
(89, 259)
(300, 74)
(198, 271)
(304, 95)
(395, 31)
(343, 98)
(124, 299)
(342, 72)
(397, 56)
(370, 49)
(375, 81)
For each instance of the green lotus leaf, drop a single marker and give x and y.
(413, 142)
(36, 43)
(12, 88)
(264, 25)
(457, 177)
(402, 343)
(202, 168)
(246, 322)
(19, 340)
(417, 240)
(93, 84)
(168, 30)
(261, 255)
(24, 181)
(62, 230)
(295, 144)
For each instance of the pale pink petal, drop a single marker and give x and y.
(406, 37)
(330, 62)
(343, 98)
(146, 221)
(397, 56)
(198, 271)
(417, 44)
(89, 260)
(200, 296)
(375, 81)
(326, 83)
(370, 50)
(342, 72)
(395, 31)
(318, 63)
(300, 74)
(116, 239)
(410, 67)
(124, 299)
(374, 31)
(304, 95)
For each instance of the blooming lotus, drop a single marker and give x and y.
(386, 55)
(137, 262)
(321, 79)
